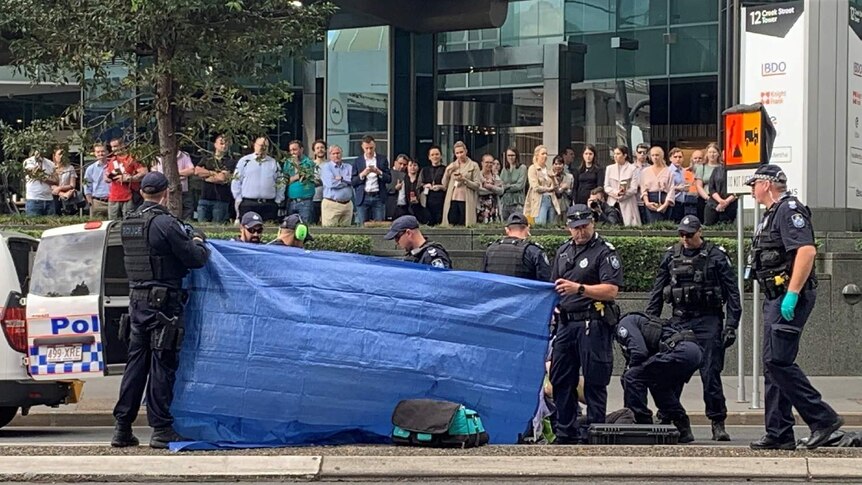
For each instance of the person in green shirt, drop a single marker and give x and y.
(298, 172)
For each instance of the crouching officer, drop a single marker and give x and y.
(587, 273)
(406, 234)
(696, 278)
(292, 232)
(661, 357)
(782, 260)
(514, 255)
(159, 251)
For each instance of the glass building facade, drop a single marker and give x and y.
(660, 89)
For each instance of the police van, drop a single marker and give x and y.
(17, 389)
(78, 292)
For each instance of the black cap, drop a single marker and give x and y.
(292, 222)
(154, 183)
(689, 224)
(401, 224)
(579, 215)
(251, 219)
(770, 172)
(516, 218)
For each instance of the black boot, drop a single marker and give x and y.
(162, 437)
(718, 431)
(684, 426)
(123, 437)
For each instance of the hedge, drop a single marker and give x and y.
(641, 256)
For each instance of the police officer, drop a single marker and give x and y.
(406, 234)
(661, 357)
(587, 273)
(292, 232)
(250, 228)
(782, 260)
(514, 255)
(696, 278)
(159, 251)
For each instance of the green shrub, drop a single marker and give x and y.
(641, 256)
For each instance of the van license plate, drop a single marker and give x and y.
(64, 353)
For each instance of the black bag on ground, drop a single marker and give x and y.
(439, 424)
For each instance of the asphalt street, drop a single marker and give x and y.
(92, 436)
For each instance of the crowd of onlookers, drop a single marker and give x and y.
(643, 187)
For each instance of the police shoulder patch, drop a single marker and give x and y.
(438, 263)
(622, 332)
(797, 220)
(615, 262)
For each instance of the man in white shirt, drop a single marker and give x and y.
(255, 181)
(40, 177)
(370, 175)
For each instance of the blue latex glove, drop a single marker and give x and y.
(788, 305)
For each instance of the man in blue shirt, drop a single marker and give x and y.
(96, 188)
(255, 183)
(335, 175)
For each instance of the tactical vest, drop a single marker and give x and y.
(768, 253)
(692, 286)
(142, 263)
(661, 335)
(506, 257)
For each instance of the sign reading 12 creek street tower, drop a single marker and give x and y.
(773, 73)
(854, 106)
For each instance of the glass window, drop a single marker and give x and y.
(634, 14)
(650, 58)
(357, 88)
(69, 265)
(682, 12)
(590, 15)
(695, 50)
(530, 19)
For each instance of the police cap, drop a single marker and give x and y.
(251, 219)
(516, 218)
(689, 224)
(401, 224)
(770, 172)
(154, 183)
(579, 215)
(293, 221)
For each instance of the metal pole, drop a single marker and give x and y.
(755, 333)
(740, 281)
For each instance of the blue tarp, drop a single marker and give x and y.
(292, 347)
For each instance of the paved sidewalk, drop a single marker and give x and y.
(842, 393)
(246, 468)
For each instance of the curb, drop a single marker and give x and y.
(89, 419)
(312, 468)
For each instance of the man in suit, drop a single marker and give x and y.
(370, 175)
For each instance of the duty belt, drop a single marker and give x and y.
(688, 313)
(582, 316)
(684, 336)
(144, 293)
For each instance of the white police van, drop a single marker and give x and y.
(17, 389)
(78, 291)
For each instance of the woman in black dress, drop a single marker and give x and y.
(434, 191)
(589, 176)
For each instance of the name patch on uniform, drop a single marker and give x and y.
(798, 221)
(622, 332)
(615, 262)
(583, 264)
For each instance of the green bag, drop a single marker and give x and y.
(438, 424)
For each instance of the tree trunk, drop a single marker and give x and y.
(165, 118)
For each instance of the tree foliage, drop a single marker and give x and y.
(171, 71)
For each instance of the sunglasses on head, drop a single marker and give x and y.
(255, 230)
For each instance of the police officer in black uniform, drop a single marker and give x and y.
(406, 234)
(661, 356)
(696, 278)
(292, 232)
(514, 255)
(587, 273)
(159, 251)
(782, 260)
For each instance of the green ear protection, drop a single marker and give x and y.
(301, 231)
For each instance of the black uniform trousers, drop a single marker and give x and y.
(787, 386)
(707, 329)
(579, 345)
(663, 374)
(159, 365)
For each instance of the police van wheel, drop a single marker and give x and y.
(7, 414)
